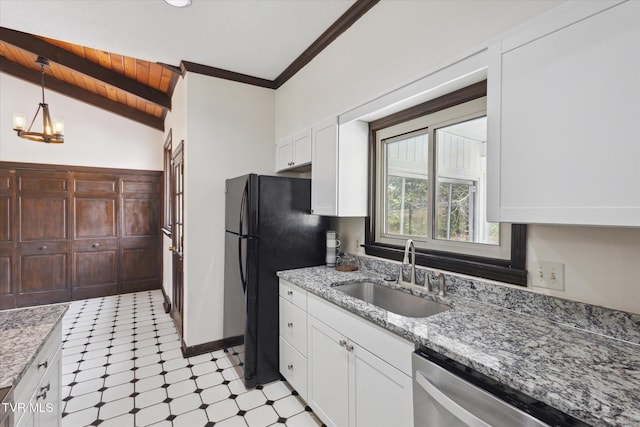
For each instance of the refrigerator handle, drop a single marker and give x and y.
(240, 265)
(243, 204)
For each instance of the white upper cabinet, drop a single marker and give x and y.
(294, 151)
(339, 168)
(564, 118)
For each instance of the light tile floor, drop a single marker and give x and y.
(122, 366)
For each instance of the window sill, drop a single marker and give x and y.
(487, 268)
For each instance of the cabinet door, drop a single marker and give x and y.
(43, 237)
(324, 173)
(95, 235)
(381, 395)
(284, 154)
(328, 366)
(563, 119)
(7, 238)
(302, 148)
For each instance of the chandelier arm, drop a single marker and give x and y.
(34, 117)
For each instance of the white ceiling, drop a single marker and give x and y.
(255, 37)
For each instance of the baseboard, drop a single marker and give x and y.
(194, 350)
(167, 302)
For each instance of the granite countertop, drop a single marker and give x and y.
(591, 377)
(23, 332)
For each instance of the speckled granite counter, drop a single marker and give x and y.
(22, 333)
(589, 376)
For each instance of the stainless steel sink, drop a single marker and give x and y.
(392, 300)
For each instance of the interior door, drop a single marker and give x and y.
(95, 235)
(7, 239)
(177, 234)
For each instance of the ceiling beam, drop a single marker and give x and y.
(226, 74)
(33, 76)
(342, 24)
(70, 60)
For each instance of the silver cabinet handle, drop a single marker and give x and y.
(342, 343)
(349, 347)
(43, 364)
(290, 366)
(43, 248)
(95, 245)
(290, 293)
(290, 324)
(444, 400)
(43, 392)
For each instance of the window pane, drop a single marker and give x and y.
(406, 185)
(461, 182)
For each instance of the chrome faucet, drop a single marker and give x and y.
(409, 247)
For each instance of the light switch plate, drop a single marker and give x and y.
(548, 274)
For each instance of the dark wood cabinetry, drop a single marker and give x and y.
(73, 233)
(95, 267)
(7, 240)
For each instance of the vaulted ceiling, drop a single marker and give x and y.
(126, 56)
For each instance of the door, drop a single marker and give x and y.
(95, 249)
(140, 244)
(381, 395)
(324, 173)
(328, 373)
(177, 235)
(43, 238)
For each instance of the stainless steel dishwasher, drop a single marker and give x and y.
(446, 393)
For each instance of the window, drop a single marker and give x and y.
(429, 184)
(166, 200)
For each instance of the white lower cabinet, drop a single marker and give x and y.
(39, 388)
(328, 391)
(351, 372)
(350, 386)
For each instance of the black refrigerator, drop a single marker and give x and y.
(269, 228)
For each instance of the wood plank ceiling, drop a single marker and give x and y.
(136, 89)
(133, 88)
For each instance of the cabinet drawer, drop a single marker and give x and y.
(36, 370)
(293, 366)
(293, 325)
(293, 294)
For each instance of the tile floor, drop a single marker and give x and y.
(122, 366)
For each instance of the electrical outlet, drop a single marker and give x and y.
(548, 274)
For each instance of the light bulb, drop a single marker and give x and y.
(58, 127)
(19, 121)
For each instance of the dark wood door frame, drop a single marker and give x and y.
(177, 236)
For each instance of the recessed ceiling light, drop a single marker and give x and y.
(179, 3)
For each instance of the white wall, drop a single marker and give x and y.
(93, 137)
(230, 132)
(399, 41)
(395, 42)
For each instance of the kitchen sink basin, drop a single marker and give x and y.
(392, 300)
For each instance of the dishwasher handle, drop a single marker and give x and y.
(448, 403)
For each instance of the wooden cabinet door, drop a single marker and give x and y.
(95, 235)
(140, 244)
(328, 374)
(284, 154)
(380, 394)
(324, 173)
(43, 238)
(302, 148)
(7, 238)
